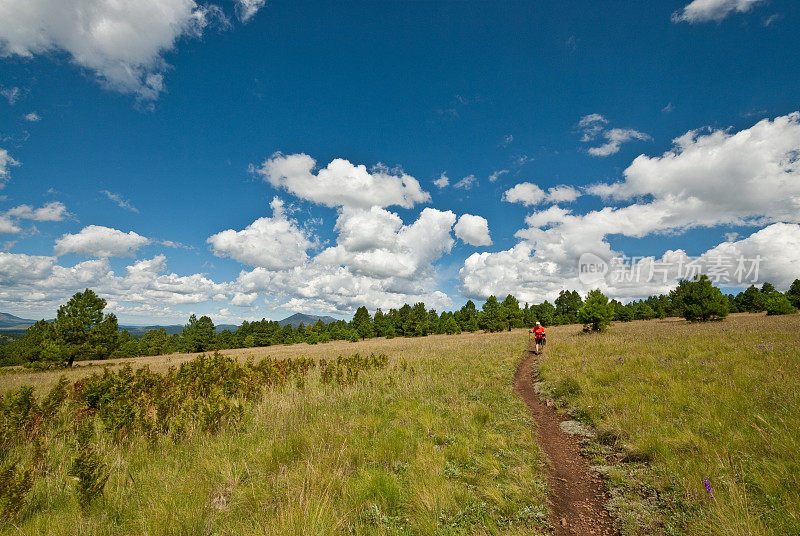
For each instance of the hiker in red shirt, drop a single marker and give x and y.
(539, 337)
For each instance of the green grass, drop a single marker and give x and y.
(436, 443)
(719, 401)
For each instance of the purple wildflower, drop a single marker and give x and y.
(709, 489)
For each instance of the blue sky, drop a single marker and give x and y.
(192, 126)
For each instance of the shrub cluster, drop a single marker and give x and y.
(207, 391)
(204, 395)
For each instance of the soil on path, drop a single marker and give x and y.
(578, 495)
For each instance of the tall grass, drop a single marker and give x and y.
(434, 443)
(717, 401)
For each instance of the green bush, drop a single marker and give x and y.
(15, 483)
(779, 304)
(88, 468)
(17, 415)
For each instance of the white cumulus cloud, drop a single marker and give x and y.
(274, 243)
(121, 42)
(341, 184)
(101, 242)
(241, 299)
(615, 138)
(375, 243)
(563, 194)
(7, 226)
(473, 230)
(777, 246)
(710, 178)
(39, 283)
(529, 194)
(378, 261)
(720, 177)
(525, 193)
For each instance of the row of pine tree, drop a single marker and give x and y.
(81, 330)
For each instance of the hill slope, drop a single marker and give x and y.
(9, 322)
(307, 320)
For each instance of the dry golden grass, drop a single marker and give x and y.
(432, 346)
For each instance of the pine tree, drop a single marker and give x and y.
(702, 301)
(362, 323)
(198, 334)
(467, 317)
(752, 300)
(492, 318)
(380, 322)
(568, 304)
(596, 313)
(81, 331)
(545, 313)
(643, 311)
(418, 321)
(794, 293)
(511, 313)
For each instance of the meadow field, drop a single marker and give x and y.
(435, 442)
(702, 419)
(696, 432)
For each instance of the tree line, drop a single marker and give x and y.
(82, 331)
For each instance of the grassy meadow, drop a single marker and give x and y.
(435, 442)
(686, 402)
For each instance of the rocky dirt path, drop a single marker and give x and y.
(578, 496)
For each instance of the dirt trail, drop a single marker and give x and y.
(578, 496)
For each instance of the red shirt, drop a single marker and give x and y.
(539, 332)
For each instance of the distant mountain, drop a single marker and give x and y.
(11, 323)
(307, 320)
(171, 329)
(138, 331)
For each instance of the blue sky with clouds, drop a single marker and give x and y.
(246, 159)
